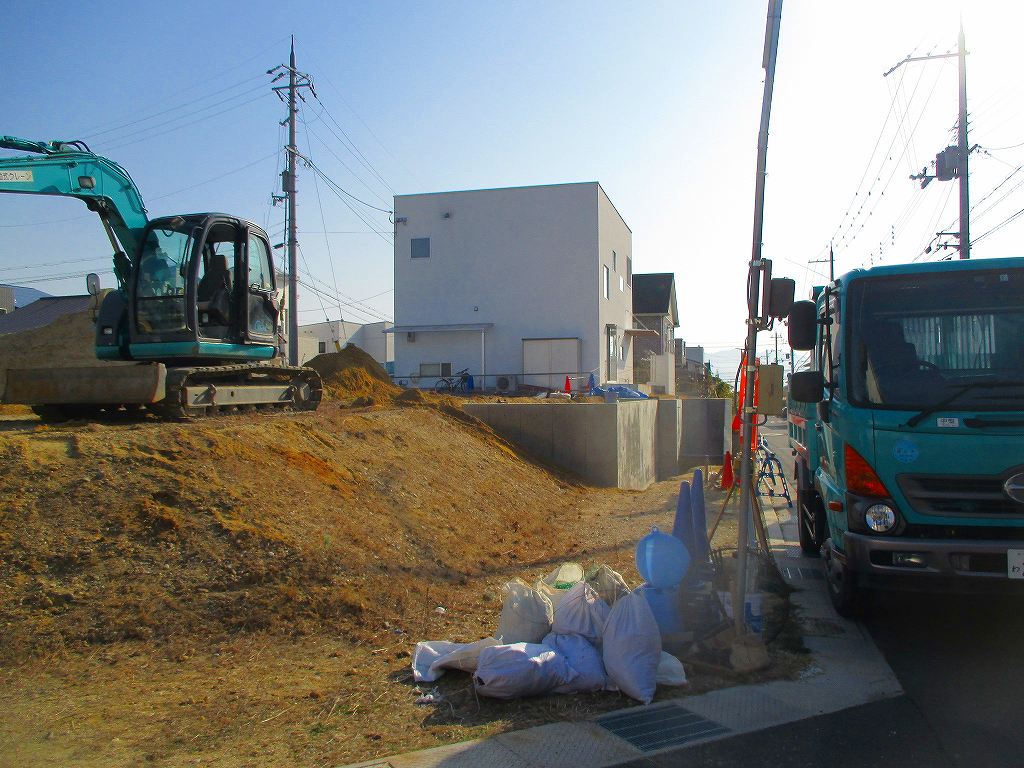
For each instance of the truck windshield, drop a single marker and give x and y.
(916, 340)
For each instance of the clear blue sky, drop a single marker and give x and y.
(659, 101)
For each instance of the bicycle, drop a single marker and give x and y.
(457, 383)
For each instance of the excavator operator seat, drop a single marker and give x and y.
(213, 294)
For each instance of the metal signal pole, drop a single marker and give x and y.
(754, 275)
(296, 81)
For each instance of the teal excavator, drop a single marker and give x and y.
(196, 305)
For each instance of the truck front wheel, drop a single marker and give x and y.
(841, 584)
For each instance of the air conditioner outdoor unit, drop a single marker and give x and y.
(506, 383)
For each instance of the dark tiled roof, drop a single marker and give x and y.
(655, 294)
(42, 312)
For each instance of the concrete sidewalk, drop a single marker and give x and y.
(846, 671)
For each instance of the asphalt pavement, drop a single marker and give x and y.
(960, 660)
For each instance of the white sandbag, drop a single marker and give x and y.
(520, 669)
(584, 658)
(581, 612)
(557, 584)
(432, 657)
(525, 614)
(608, 584)
(632, 647)
(670, 670)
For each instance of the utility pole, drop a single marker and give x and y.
(776, 347)
(961, 133)
(831, 263)
(296, 81)
(951, 163)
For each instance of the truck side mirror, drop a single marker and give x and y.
(92, 283)
(803, 326)
(807, 386)
(780, 297)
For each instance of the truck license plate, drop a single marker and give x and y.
(1015, 563)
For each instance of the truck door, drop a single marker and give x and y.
(832, 409)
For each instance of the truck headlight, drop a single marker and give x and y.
(880, 518)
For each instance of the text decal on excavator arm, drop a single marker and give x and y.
(21, 177)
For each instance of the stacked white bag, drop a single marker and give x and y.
(632, 647)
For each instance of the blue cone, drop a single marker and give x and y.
(682, 529)
(701, 547)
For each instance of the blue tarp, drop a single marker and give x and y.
(624, 392)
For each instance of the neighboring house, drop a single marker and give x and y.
(7, 303)
(524, 285)
(655, 310)
(22, 296)
(44, 311)
(318, 338)
(692, 374)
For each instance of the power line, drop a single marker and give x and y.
(191, 102)
(999, 226)
(215, 178)
(205, 80)
(343, 191)
(186, 125)
(343, 163)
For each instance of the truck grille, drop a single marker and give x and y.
(959, 495)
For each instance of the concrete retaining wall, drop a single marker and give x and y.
(707, 431)
(607, 444)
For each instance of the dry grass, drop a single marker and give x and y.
(245, 591)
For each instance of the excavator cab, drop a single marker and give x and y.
(202, 289)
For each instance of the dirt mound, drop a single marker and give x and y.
(67, 342)
(352, 375)
(330, 364)
(411, 397)
(165, 532)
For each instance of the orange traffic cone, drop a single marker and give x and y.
(727, 479)
(568, 386)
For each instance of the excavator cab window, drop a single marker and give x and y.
(216, 290)
(161, 279)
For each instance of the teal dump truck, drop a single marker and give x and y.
(908, 428)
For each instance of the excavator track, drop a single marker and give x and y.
(210, 390)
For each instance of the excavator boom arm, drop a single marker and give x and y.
(69, 169)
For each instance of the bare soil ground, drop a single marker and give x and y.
(247, 590)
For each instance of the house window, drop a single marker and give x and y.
(629, 272)
(615, 261)
(420, 247)
(322, 347)
(607, 282)
(622, 285)
(433, 370)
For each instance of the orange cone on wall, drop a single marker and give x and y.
(727, 479)
(568, 386)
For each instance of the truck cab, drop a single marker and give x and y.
(908, 429)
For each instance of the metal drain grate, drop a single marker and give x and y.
(651, 729)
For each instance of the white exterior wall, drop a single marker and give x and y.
(526, 260)
(614, 236)
(370, 338)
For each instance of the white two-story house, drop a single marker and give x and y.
(521, 286)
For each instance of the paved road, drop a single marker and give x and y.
(960, 661)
